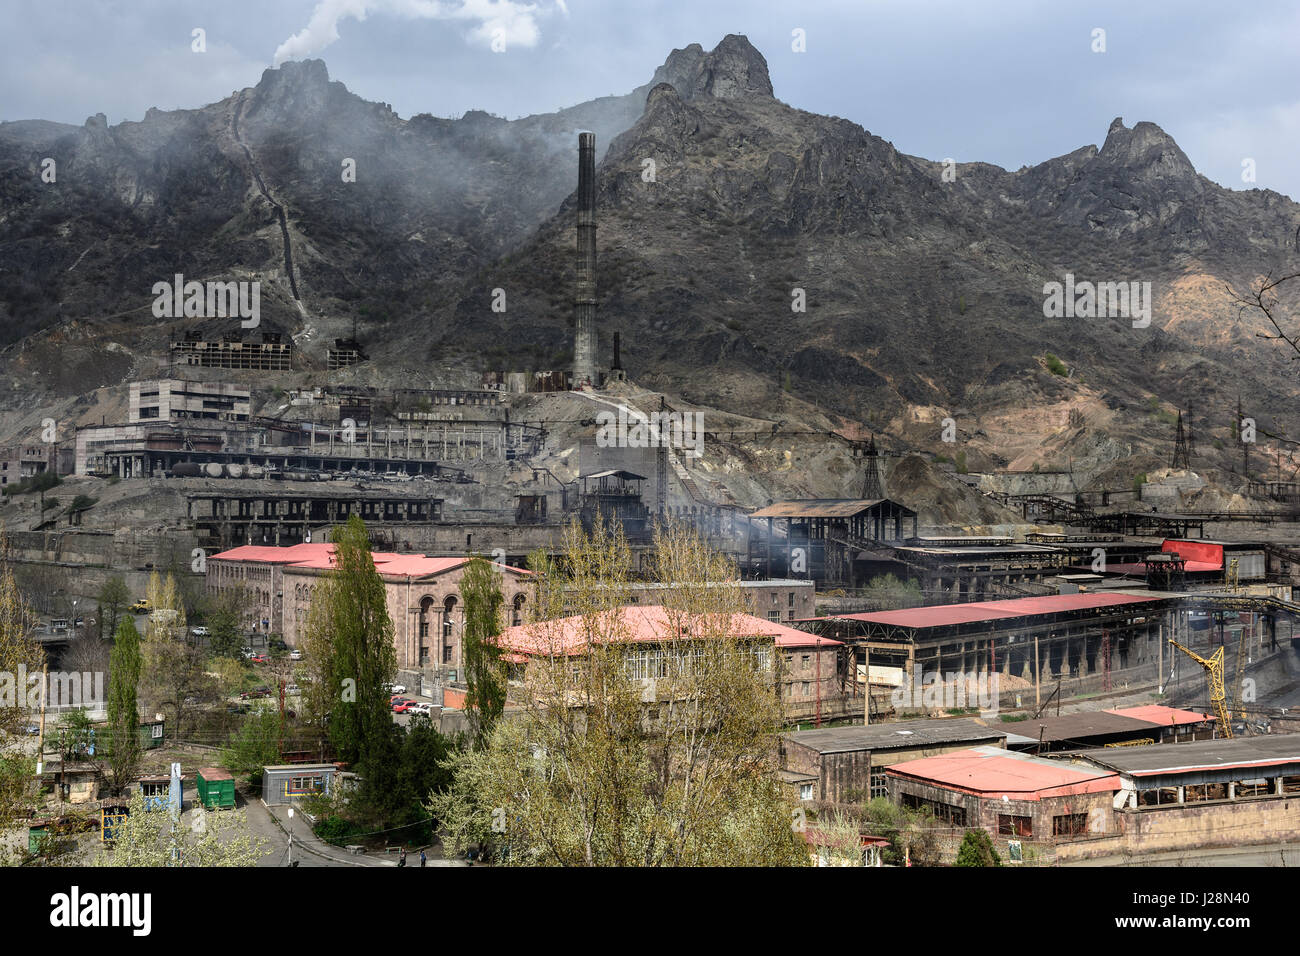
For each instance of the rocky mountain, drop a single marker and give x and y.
(721, 210)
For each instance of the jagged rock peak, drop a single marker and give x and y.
(1144, 145)
(731, 70)
(297, 73)
(98, 121)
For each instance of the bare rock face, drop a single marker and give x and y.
(732, 70)
(793, 264)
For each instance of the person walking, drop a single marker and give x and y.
(402, 859)
(423, 859)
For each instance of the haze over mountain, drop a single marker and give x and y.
(924, 282)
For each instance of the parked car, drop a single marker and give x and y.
(423, 707)
(295, 655)
(142, 606)
(259, 659)
(200, 631)
(293, 689)
(32, 730)
(278, 645)
(403, 706)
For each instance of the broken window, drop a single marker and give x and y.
(1010, 824)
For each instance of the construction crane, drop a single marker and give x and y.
(1214, 675)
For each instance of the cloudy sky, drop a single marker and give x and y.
(1002, 81)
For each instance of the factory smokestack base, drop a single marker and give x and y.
(584, 300)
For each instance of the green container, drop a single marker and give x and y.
(216, 788)
(34, 837)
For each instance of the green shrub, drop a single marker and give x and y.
(1056, 366)
(977, 850)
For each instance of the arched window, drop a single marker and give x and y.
(517, 615)
(448, 608)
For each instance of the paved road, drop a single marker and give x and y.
(274, 825)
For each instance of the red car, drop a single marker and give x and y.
(258, 659)
(400, 705)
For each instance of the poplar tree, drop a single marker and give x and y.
(349, 640)
(123, 706)
(485, 682)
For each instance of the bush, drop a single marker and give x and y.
(1056, 366)
(338, 831)
(977, 850)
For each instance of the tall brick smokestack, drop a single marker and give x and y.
(584, 300)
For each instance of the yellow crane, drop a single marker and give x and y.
(1214, 675)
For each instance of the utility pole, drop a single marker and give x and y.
(1037, 667)
(866, 684)
(40, 740)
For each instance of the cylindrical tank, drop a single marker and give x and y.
(254, 471)
(186, 469)
(212, 470)
(234, 470)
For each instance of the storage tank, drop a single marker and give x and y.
(212, 470)
(186, 469)
(254, 471)
(235, 471)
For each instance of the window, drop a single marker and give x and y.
(156, 731)
(807, 689)
(805, 791)
(790, 601)
(805, 659)
(1014, 825)
(774, 615)
(1070, 824)
(879, 787)
(517, 616)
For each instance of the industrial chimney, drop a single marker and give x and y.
(584, 300)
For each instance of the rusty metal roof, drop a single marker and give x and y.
(896, 735)
(823, 508)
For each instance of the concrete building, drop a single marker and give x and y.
(810, 673)
(783, 599)
(21, 461)
(1012, 795)
(423, 595)
(173, 399)
(821, 538)
(847, 764)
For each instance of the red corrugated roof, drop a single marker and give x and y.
(1162, 716)
(319, 555)
(941, 615)
(991, 772)
(570, 635)
(1201, 552)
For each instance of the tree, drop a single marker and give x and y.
(224, 615)
(174, 669)
(665, 758)
(74, 737)
(150, 838)
(114, 598)
(254, 746)
(977, 850)
(123, 704)
(349, 641)
(485, 680)
(18, 652)
(86, 652)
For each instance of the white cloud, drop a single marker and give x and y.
(515, 23)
